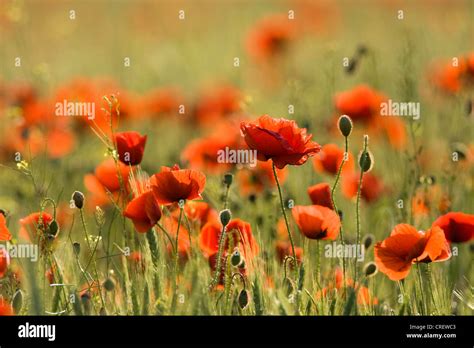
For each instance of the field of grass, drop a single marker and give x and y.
(190, 75)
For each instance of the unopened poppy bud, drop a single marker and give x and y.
(370, 269)
(235, 258)
(225, 216)
(53, 228)
(242, 263)
(345, 125)
(109, 284)
(368, 241)
(228, 178)
(78, 199)
(77, 248)
(366, 161)
(243, 299)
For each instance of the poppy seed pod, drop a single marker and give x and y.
(345, 125)
(53, 228)
(78, 199)
(235, 258)
(370, 269)
(77, 248)
(225, 216)
(243, 299)
(366, 161)
(109, 284)
(228, 178)
(368, 241)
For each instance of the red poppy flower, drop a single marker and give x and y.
(317, 222)
(320, 194)
(200, 212)
(330, 158)
(6, 308)
(217, 103)
(130, 147)
(240, 231)
(270, 37)
(457, 227)
(32, 223)
(372, 187)
(406, 246)
(106, 173)
(172, 185)
(144, 211)
(280, 140)
(162, 101)
(4, 262)
(5, 234)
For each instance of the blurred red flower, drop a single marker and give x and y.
(372, 187)
(317, 222)
(320, 194)
(5, 234)
(330, 158)
(457, 227)
(144, 211)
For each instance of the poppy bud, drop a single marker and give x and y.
(228, 178)
(78, 199)
(370, 269)
(235, 258)
(243, 299)
(366, 161)
(109, 284)
(368, 241)
(225, 216)
(53, 228)
(77, 248)
(345, 125)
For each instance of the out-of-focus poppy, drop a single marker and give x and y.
(364, 105)
(280, 140)
(34, 222)
(4, 262)
(320, 194)
(405, 246)
(270, 37)
(317, 222)
(255, 180)
(173, 184)
(453, 76)
(144, 211)
(161, 101)
(5, 234)
(372, 187)
(6, 308)
(130, 147)
(330, 158)
(239, 230)
(457, 227)
(217, 103)
(283, 249)
(200, 212)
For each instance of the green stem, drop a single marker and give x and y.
(295, 263)
(420, 280)
(215, 279)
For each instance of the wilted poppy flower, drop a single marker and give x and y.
(130, 147)
(317, 222)
(330, 158)
(240, 231)
(173, 184)
(270, 37)
(6, 308)
(457, 227)
(255, 180)
(372, 186)
(280, 140)
(144, 211)
(4, 262)
(34, 222)
(320, 194)
(5, 234)
(406, 246)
